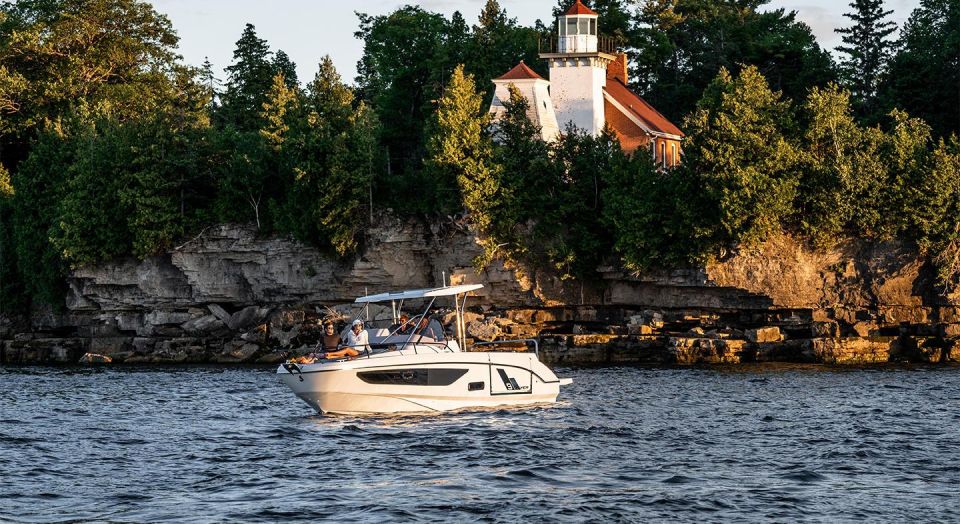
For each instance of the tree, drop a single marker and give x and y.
(249, 79)
(740, 147)
(657, 218)
(401, 74)
(498, 43)
(282, 65)
(924, 75)
(868, 50)
(330, 156)
(117, 55)
(460, 147)
(683, 44)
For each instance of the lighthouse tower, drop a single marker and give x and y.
(578, 70)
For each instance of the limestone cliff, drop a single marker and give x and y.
(231, 295)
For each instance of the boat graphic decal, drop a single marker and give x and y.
(509, 382)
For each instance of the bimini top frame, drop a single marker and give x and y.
(445, 291)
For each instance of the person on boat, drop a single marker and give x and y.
(331, 339)
(357, 338)
(402, 328)
(429, 327)
(356, 342)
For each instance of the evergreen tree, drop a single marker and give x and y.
(282, 65)
(740, 146)
(924, 77)
(249, 79)
(330, 156)
(868, 50)
(459, 147)
(401, 75)
(682, 45)
(498, 44)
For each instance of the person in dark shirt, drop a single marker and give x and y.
(331, 339)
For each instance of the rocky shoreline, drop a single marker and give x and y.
(233, 297)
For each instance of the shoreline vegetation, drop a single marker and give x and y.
(111, 147)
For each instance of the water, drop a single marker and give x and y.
(714, 445)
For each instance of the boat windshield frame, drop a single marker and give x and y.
(460, 304)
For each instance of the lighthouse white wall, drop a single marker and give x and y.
(577, 92)
(540, 111)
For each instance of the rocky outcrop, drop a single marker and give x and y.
(231, 295)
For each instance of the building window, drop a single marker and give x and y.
(560, 27)
(584, 26)
(653, 149)
(663, 153)
(673, 155)
(593, 26)
(571, 26)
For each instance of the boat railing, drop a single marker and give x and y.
(536, 345)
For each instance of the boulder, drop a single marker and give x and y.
(206, 325)
(245, 318)
(236, 352)
(219, 312)
(486, 331)
(764, 334)
(159, 317)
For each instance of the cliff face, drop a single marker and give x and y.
(232, 296)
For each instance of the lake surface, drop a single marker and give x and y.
(711, 445)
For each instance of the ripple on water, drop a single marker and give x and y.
(775, 444)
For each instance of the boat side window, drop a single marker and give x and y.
(413, 376)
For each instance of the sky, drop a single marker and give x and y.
(309, 29)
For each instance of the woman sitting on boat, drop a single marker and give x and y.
(356, 342)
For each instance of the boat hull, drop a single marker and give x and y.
(419, 383)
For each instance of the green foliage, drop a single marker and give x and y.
(682, 44)
(329, 156)
(38, 183)
(401, 73)
(867, 49)
(657, 218)
(740, 146)
(249, 80)
(459, 147)
(924, 75)
(55, 54)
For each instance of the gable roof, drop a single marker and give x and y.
(520, 72)
(579, 9)
(639, 108)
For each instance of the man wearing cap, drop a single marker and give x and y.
(357, 337)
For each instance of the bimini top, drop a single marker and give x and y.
(445, 291)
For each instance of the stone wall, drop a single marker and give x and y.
(231, 295)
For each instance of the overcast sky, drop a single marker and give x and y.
(309, 29)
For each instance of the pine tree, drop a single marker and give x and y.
(740, 146)
(924, 77)
(249, 78)
(459, 147)
(868, 50)
(282, 65)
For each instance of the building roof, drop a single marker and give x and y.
(640, 108)
(520, 72)
(579, 9)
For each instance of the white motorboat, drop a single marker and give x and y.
(412, 372)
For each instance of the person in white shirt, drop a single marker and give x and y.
(357, 338)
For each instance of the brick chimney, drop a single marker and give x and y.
(618, 68)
